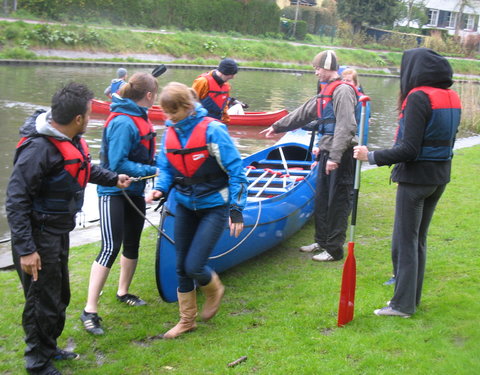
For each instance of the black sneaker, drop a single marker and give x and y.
(64, 355)
(131, 300)
(49, 370)
(91, 322)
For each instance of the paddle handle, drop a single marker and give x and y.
(358, 166)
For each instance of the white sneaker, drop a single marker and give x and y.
(388, 311)
(323, 257)
(310, 248)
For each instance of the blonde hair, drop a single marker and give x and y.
(138, 86)
(175, 96)
(354, 74)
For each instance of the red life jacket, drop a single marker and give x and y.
(145, 152)
(217, 97)
(187, 160)
(76, 162)
(441, 129)
(325, 112)
(193, 163)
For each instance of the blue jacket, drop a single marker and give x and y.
(221, 146)
(120, 138)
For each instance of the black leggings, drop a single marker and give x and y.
(120, 223)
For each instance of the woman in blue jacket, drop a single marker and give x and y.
(200, 160)
(128, 144)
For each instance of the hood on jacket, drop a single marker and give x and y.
(128, 106)
(40, 123)
(424, 67)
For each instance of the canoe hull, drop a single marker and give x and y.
(156, 114)
(267, 223)
(101, 107)
(257, 118)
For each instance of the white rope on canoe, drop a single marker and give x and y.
(244, 238)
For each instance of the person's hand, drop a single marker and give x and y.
(269, 132)
(330, 166)
(123, 181)
(235, 228)
(315, 150)
(31, 264)
(153, 195)
(360, 153)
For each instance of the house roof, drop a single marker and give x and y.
(454, 6)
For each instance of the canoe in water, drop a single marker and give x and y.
(156, 114)
(101, 107)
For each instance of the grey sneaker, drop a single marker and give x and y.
(91, 322)
(388, 311)
(310, 248)
(390, 281)
(323, 257)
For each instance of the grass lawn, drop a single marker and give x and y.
(280, 309)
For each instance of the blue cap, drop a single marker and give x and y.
(121, 72)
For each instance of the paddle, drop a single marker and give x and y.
(159, 70)
(347, 293)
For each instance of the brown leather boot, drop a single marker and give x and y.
(213, 295)
(187, 304)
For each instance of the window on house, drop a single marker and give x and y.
(433, 17)
(451, 19)
(470, 24)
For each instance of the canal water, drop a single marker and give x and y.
(26, 88)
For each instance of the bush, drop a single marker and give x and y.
(17, 53)
(471, 44)
(348, 37)
(253, 17)
(400, 41)
(301, 30)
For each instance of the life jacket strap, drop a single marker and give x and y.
(183, 151)
(188, 181)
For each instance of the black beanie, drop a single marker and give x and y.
(228, 67)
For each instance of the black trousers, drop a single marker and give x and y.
(333, 203)
(46, 299)
(415, 205)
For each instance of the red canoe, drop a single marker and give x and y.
(155, 113)
(257, 118)
(101, 107)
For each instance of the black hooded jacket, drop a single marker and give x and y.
(34, 161)
(419, 67)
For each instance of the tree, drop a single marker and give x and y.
(414, 11)
(369, 12)
(461, 8)
(6, 8)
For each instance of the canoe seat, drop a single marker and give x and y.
(292, 172)
(266, 163)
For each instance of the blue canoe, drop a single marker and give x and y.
(278, 205)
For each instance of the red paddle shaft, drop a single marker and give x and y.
(347, 293)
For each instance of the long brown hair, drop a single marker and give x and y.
(138, 85)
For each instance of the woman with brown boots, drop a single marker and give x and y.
(200, 160)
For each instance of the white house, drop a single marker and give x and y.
(445, 15)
